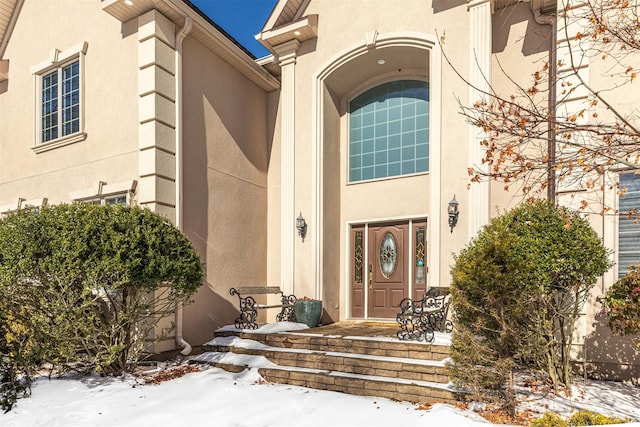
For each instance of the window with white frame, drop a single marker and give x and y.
(59, 98)
(60, 102)
(121, 193)
(389, 131)
(628, 224)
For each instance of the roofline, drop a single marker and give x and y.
(7, 34)
(204, 29)
(219, 28)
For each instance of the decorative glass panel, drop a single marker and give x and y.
(388, 255)
(358, 257)
(420, 261)
(628, 228)
(389, 131)
(420, 246)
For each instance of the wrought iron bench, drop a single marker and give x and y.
(249, 307)
(418, 319)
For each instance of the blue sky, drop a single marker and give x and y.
(241, 18)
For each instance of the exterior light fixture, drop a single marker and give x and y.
(453, 212)
(297, 33)
(381, 61)
(301, 226)
(128, 2)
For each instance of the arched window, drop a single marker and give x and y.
(389, 131)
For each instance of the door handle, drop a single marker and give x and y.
(370, 277)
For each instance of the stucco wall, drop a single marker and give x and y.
(225, 184)
(342, 28)
(520, 48)
(110, 103)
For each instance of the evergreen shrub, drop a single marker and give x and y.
(517, 290)
(82, 286)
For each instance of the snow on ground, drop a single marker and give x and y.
(216, 397)
(212, 397)
(268, 328)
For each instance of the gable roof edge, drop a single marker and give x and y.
(284, 12)
(6, 35)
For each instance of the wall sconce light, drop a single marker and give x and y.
(453, 212)
(301, 225)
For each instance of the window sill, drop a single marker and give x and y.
(387, 178)
(60, 142)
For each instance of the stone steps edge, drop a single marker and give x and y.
(349, 365)
(362, 385)
(347, 345)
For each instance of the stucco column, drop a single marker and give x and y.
(480, 34)
(287, 57)
(156, 113)
(156, 132)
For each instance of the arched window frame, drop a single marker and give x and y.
(372, 159)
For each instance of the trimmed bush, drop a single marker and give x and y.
(81, 285)
(517, 291)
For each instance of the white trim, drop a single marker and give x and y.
(287, 53)
(427, 42)
(58, 60)
(409, 219)
(58, 142)
(610, 227)
(480, 45)
(435, 159)
(10, 26)
(59, 57)
(379, 80)
(410, 260)
(103, 190)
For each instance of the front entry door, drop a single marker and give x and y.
(388, 281)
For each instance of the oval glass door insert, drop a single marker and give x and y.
(388, 255)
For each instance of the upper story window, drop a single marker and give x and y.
(61, 102)
(628, 226)
(59, 118)
(120, 193)
(389, 131)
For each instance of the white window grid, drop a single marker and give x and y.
(59, 98)
(60, 102)
(389, 131)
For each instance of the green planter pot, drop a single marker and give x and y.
(308, 312)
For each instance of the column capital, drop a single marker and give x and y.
(287, 52)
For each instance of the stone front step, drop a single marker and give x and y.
(344, 358)
(344, 362)
(347, 344)
(416, 391)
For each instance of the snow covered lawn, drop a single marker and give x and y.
(214, 397)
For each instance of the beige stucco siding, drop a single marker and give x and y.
(110, 103)
(520, 48)
(225, 184)
(343, 28)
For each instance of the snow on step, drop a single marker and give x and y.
(234, 341)
(251, 361)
